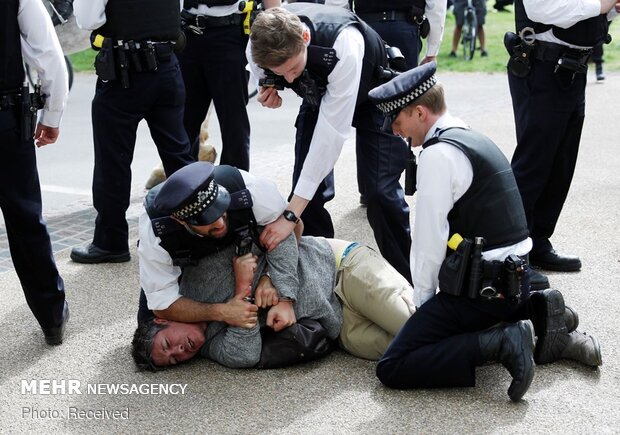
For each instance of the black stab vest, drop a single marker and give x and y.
(186, 249)
(364, 6)
(492, 206)
(586, 33)
(140, 20)
(11, 64)
(325, 24)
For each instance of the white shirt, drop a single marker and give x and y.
(216, 11)
(90, 14)
(444, 175)
(435, 11)
(159, 278)
(41, 50)
(563, 14)
(335, 112)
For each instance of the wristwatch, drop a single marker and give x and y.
(290, 216)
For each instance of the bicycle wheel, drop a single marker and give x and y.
(469, 34)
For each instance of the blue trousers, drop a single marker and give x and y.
(213, 66)
(157, 97)
(438, 346)
(29, 241)
(380, 162)
(401, 34)
(549, 110)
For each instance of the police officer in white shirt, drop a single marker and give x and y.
(194, 213)
(547, 78)
(27, 33)
(468, 201)
(331, 58)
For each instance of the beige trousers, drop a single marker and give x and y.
(376, 302)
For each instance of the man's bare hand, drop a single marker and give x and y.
(428, 59)
(266, 294)
(239, 313)
(275, 232)
(45, 135)
(281, 316)
(269, 97)
(244, 268)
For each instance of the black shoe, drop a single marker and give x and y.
(550, 325)
(513, 346)
(538, 281)
(452, 54)
(553, 261)
(363, 200)
(600, 76)
(484, 53)
(54, 336)
(91, 254)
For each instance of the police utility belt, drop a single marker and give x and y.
(465, 273)
(414, 16)
(524, 48)
(116, 58)
(197, 23)
(28, 104)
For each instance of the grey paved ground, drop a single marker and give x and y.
(339, 394)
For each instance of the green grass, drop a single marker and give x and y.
(497, 23)
(84, 60)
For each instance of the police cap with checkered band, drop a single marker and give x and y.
(192, 195)
(402, 90)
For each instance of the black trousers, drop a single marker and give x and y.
(213, 66)
(438, 346)
(401, 34)
(380, 163)
(549, 110)
(29, 241)
(157, 97)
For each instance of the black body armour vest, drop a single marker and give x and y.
(11, 65)
(586, 33)
(366, 6)
(186, 249)
(188, 4)
(325, 24)
(140, 20)
(492, 206)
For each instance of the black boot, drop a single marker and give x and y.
(584, 348)
(513, 346)
(548, 316)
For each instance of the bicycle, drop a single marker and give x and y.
(470, 27)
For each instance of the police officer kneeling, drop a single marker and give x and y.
(198, 211)
(468, 200)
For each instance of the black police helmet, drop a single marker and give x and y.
(192, 195)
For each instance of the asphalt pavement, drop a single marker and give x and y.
(89, 384)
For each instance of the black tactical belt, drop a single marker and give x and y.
(205, 21)
(9, 100)
(551, 52)
(385, 16)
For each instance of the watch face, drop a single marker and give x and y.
(289, 216)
